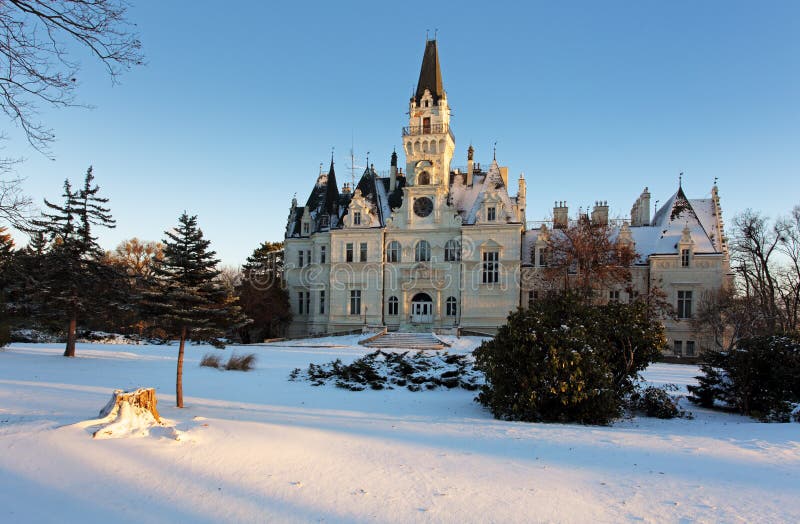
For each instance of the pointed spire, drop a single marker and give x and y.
(430, 75)
(332, 192)
(394, 158)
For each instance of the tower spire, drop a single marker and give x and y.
(430, 74)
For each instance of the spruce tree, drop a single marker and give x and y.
(262, 295)
(73, 269)
(187, 302)
(6, 260)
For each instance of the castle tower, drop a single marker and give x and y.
(429, 144)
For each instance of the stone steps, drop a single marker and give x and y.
(406, 341)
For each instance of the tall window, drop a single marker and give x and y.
(394, 306)
(300, 302)
(452, 308)
(322, 302)
(533, 296)
(393, 252)
(300, 258)
(491, 274)
(452, 251)
(684, 258)
(491, 213)
(690, 348)
(348, 252)
(357, 218)
(426, 123)
(305, 228)
(613, 296)
(322, 252)
(677, 347)
(303, 302)
(363, 252)
(422, 252)
(542, 257)
(684, 304)
(355, 301)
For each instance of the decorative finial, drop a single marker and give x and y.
(494, 150)
(320, 168)
(333, 148)
(435, 32)
(680, 179)
(715, 180)
(427, 34)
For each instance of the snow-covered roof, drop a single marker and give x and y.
(468, 199)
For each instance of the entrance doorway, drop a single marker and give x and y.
(421, 309)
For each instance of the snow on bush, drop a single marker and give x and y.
(382, 370)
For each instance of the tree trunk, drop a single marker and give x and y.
(179, 377)
(71, 335)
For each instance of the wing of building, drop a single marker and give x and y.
(435, 247)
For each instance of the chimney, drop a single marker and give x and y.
(522, 194)
(560, 215)
(644, 208)
(600, 213)
(470, 164)
(393, 172)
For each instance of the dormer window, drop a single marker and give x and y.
(357, 218)
(491, 214)
(323, 221)
(305, 228)
(685, 257)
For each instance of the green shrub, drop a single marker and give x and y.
(760, 378)
(654, 402)
(563, 360)
(241, 362)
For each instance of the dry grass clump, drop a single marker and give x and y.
(241, 362)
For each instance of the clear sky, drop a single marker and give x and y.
(240, 102)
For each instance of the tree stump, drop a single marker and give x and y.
(127, 413)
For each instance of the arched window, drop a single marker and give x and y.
(422, 252)
(393, 251)
(452, 308)
(424, 179)
(452, 250)
(393, 306)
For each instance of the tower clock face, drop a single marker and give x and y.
(423, 207)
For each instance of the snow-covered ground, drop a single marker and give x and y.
(256, 447)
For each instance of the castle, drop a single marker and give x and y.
(435, 248)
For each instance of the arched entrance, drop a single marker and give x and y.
(421, 309)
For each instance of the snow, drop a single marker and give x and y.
(255, 447)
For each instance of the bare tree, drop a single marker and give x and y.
(15, 206)
(584, 257)
(35, 64)
(137, 258)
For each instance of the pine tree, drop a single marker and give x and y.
(6, 259)
(262, 295)
(73, 269)
(188, 303)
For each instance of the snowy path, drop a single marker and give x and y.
(259, 448)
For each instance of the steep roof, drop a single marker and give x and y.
(430, 75)
(331, 205)
(468, 199)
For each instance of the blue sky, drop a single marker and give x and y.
(239, 103)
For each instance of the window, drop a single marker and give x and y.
(490, 267)
(300, 258)
(424, 179)
(393, 306)
(533, 296)
(363, 252)
(452, 251)
(684, 258)
(690, 348)
(322, 302)
(677, 347)
(393, 252)
(348, 252)
(305, 228)
(323, 221)
(684, 304)
(422, 253)
(490, 213)
(452, 308)
(426, 122)
(322, 250)
(303, 302)
(613, 296)
(355, 301)
(542, 257)
(357, 218)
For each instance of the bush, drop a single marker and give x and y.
(241, 362)
(760, 378)
(655, 402)
(565, 361)
(211, 360)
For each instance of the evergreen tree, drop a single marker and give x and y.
(262, 295)
(73, 271)
(6, 259)
(187, 302)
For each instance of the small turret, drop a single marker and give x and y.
(522, 194)
(393, 172)
(640, 211)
